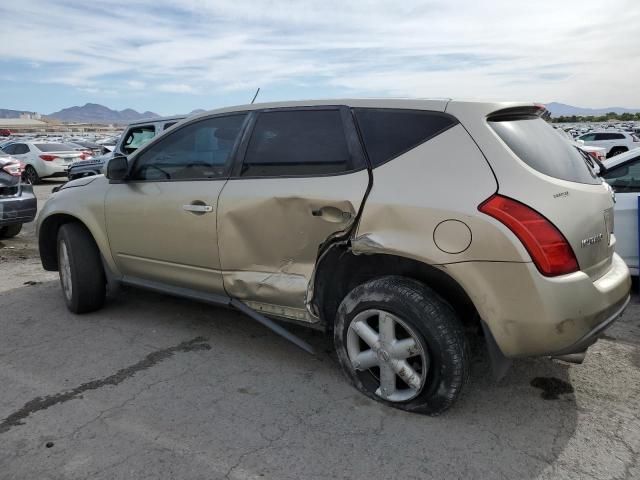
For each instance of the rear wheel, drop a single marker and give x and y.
(81, 273)
(10, 231)
(401, 344)
(616, 151)
(30, 175)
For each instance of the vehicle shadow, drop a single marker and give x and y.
(266, 388)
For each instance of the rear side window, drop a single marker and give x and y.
(297, 143)
(20, 148)
(388, 133)
(137, 137)
(536, 144)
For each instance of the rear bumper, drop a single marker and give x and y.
(591, 337)
(50, 169)
(532, 315)
(20, 208)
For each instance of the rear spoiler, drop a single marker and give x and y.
(524, 112)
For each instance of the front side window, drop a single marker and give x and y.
(9, 149)
(589, 137)
(297, 143)
(625, 178)
(200, 150)
(137, 137)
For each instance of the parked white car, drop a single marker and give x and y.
(623, 174)
(44, 159)
(597, 153)
(615, 142)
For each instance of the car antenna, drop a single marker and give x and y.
(256, 95)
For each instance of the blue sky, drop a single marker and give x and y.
(172, 56)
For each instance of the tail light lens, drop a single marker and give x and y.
(14, 169)
(48, 158)
(85, 155)
(549, 249)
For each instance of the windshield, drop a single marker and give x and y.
(534, 141)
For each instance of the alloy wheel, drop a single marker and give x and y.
(380, 344)
(65, 271)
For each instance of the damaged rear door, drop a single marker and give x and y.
(301, 178)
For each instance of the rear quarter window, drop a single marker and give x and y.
(388, 133)
(536, 144)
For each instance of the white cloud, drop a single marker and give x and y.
(136, 84)
(175, 88)
(501, 49)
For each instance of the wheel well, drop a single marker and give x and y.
(340, 271)
(618, 149)
(48, 236)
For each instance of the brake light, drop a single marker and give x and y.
(48, 158)
(85, 155)
(14, 169)
(597, 155)
(549, 249)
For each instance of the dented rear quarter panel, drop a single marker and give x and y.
(443, 179)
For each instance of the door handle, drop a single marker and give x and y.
(332, 214)
(198, 208)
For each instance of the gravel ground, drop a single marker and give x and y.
(156, 387)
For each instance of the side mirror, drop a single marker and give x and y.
(580, 142)
(117, 168)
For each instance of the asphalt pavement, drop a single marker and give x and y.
(157, 387)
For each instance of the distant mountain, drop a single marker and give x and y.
(561, 109)
(95, 113)
(4, 113)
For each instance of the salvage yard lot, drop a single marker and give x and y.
(154, 387)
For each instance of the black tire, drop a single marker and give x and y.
(436, 327)
(10, 231)
(616, 151)
(85, 272)
(30, 175)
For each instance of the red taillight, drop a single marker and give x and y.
(548, 248)
(597, 155)
(14, 169)
(85, 155)
(48, 158)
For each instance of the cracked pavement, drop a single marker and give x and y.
(156, 387)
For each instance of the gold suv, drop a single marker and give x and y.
(399, 225)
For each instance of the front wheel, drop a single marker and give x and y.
(401, 344)
(81, 273)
